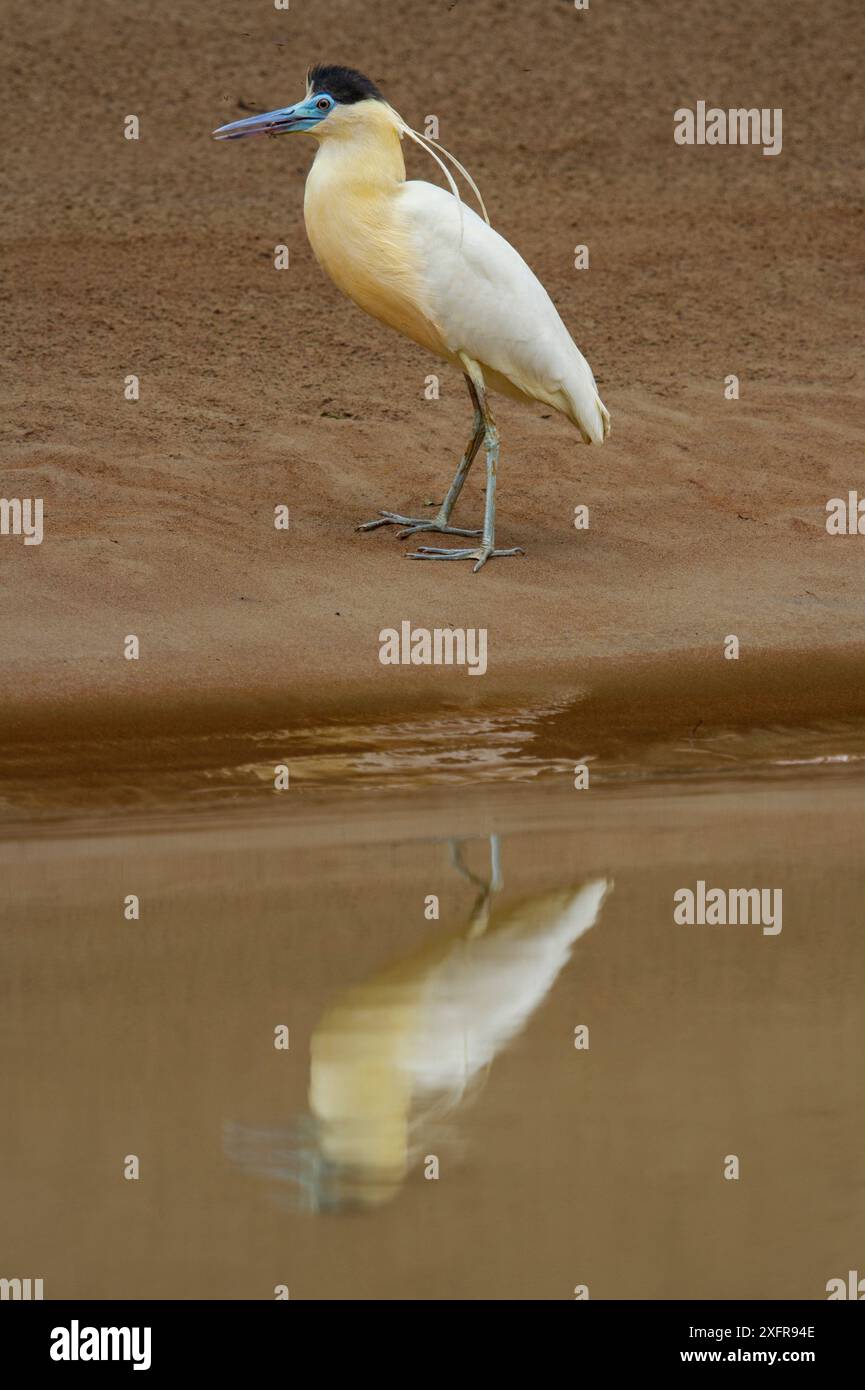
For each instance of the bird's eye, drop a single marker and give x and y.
(323, 104)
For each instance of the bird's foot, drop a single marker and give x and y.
(481, 555)
(414, 524)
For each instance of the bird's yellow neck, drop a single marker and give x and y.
(360, 147)
(354, 224)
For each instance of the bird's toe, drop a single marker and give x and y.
(435, 527)
(391, 519)
(435, 552)
(480, 555)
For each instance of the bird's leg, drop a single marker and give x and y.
(497, 883)
(440, 523)
(486, 550)
(456, 855)
(456, 487)
(480, 913)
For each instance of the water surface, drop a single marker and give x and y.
(423, 1045)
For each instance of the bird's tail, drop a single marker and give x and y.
(585, 407)
(576, 394)
(605, 418)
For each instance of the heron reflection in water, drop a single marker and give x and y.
(398, 1053)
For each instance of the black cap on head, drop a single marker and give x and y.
(343, 84)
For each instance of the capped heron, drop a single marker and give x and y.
(396, 1054)
(416, 258)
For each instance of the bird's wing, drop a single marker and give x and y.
(485, 990)
(490, 306)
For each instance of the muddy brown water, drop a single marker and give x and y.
(431, 1129)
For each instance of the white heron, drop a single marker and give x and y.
(416, 258)
(395, 1053)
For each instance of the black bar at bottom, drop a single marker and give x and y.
(219, 1338)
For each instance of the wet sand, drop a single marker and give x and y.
(260, 388)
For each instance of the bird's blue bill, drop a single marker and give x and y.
(305, 115)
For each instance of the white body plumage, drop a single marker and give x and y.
(491, 306)
(409, 251)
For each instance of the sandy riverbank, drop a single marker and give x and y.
(257, 388)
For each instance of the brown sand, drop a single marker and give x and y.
(155, 258)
